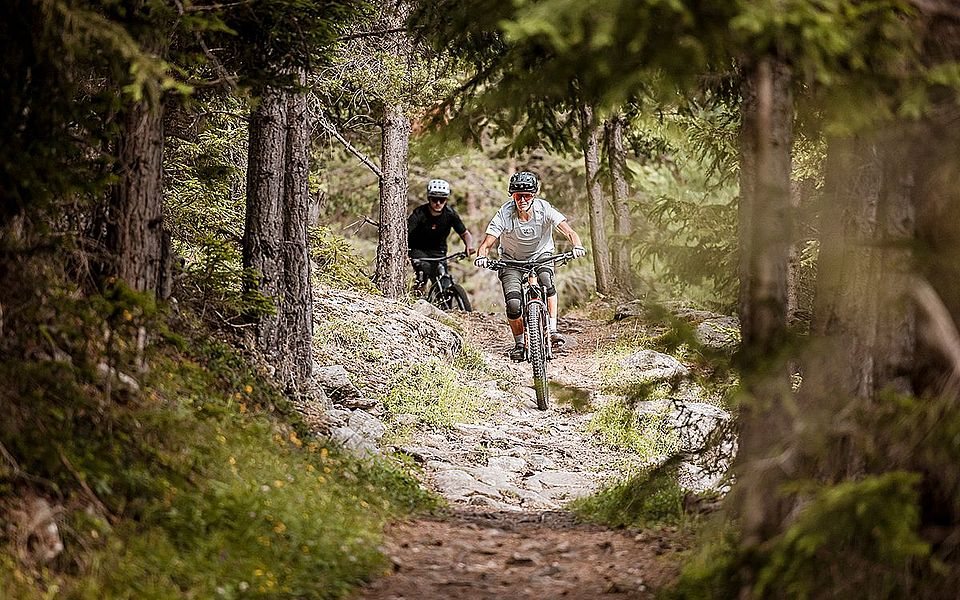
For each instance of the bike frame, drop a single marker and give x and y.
(539, 348)
(443, 280)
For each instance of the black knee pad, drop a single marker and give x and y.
(551, 291)
(513, 306)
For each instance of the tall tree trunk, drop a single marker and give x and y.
(766, 138)
(297, 309)
(622, 227)
(135, 222)
(590, 138)
(392, 249)
(263, 233)
(390, 277)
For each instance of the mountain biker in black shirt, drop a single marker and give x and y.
(428, 227)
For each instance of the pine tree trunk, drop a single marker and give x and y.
(135, 221)
(296, 323)
(590, 137)
(766, 138)
(622, 227)
(263, 234)
(392, 249)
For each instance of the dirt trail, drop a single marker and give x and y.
(506, 534)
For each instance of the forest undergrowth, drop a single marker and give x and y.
(173, 467)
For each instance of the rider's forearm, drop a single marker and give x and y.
(486, 245)
(467, 239)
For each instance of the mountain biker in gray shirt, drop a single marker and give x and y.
(524, 227)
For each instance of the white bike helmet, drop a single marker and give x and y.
(438, 188)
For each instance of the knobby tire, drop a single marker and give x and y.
(457, 298)
(537, 340)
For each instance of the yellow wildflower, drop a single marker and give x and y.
(248, 388)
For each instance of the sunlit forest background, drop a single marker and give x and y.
(177, 175)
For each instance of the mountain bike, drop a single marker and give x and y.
(444, 292)
(535, 321)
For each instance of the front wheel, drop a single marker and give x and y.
(455, 298)
(537, 351)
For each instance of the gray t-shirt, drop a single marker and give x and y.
(522, 240)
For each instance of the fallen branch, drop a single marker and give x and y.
(86, 488)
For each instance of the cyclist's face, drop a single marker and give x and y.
(523, 201)
(436, 203)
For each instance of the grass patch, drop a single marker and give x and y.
(351, 337)
(650, 497)
(618, 425)
(433, 392)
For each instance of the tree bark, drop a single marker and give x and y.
(590, 134)
(263, 233)
(297, 308)
(766, 139)
(392, 249)
(276, 238)
(622, 226)
(135, 219)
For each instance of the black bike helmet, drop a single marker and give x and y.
(524, 181)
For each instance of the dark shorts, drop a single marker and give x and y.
(511, 280)
(428, 269)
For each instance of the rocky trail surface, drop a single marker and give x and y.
(506, 479)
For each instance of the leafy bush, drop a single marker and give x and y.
(855, 539)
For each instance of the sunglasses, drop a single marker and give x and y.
(437, 200)
(522, 196)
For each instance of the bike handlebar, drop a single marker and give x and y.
(503, 263)
(454, 256)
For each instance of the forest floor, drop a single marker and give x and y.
(506, 532)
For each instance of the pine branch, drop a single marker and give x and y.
(326, 124)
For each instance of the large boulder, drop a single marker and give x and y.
(649, 366)
(703, 434)
(373, 338)
(334, 380)
(719, 333)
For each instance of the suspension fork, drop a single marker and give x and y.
(535, 294)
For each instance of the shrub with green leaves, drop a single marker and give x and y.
(338, 266)
(854, 539)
